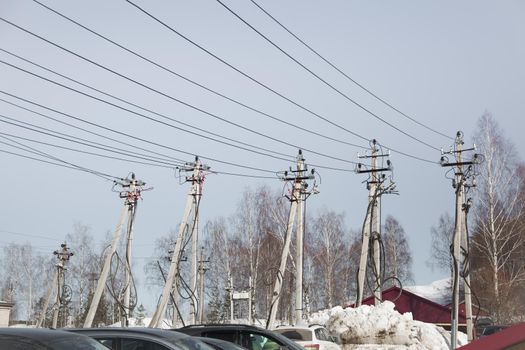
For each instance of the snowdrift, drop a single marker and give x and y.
(382, 327)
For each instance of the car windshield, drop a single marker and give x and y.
(296, 334)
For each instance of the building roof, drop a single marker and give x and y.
(421, 308)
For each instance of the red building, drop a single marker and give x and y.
(422, 309)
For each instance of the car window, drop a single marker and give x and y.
(141, 344)
(257, 341)
(322, 334)
(19, 344)
(109, 343)
(78, 343)
(228, 335)
(296, 334)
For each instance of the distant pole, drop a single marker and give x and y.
(202, 270)
(63, 257)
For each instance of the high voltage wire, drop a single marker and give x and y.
(245, 74)
(144, 109)
(133, 136)
(193, 81)
(62, 162)
(180, 161)
(145, 116)
(347, 75)
(163, 94)
(348, 98)
(87, 152)
(264, 85)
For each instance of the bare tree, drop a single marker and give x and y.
(440, 256)
(498, 235)
(327, 244)
(398, 257)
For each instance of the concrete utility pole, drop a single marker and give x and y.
(63, 257)
(372, 224)
(463, 179)
(202, 270)
(298, 195)
(192, 206)
(131, 191)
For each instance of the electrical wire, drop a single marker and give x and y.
(241, 72)
(46, 155)
(134, 136)
(84, 142)
(162, 94)
(348, 98)
(262, 84)
(347, 75)
(107, 178)
(140, 107)
(83, 152)
(193, 82)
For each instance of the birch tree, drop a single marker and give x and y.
(398, 257)
(498, 236)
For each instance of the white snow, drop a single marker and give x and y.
(382, 327)
(438, 291)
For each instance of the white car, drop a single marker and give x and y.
(314, 337)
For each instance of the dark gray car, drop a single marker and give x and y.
(45, 339)
(249, 337)
(142, 339)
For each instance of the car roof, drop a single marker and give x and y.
(35, 333)
(157, 332)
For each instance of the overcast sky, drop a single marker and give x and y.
(442, 63)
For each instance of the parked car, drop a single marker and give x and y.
(249, 337)
(315, 337)
(488, 330)
(511, 338)
(219, 344)
(142, 339)
(45, 339)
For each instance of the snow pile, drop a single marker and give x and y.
(382, 327)
(438, 291)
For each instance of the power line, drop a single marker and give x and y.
(326, 82)
(81, 151)
(171, 71)
(140, 107)
(163, 94)
(245, 74)
(74, 167)
(166, 157)
(263, 85)
(81, 141)
(134, 136)
(347, 75)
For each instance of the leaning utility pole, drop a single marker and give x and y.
(131, 190)
(372, 224)
(298, 195)
(63, 257)
(463, 180)
(192, 206)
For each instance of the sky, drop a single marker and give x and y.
(442, 64)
